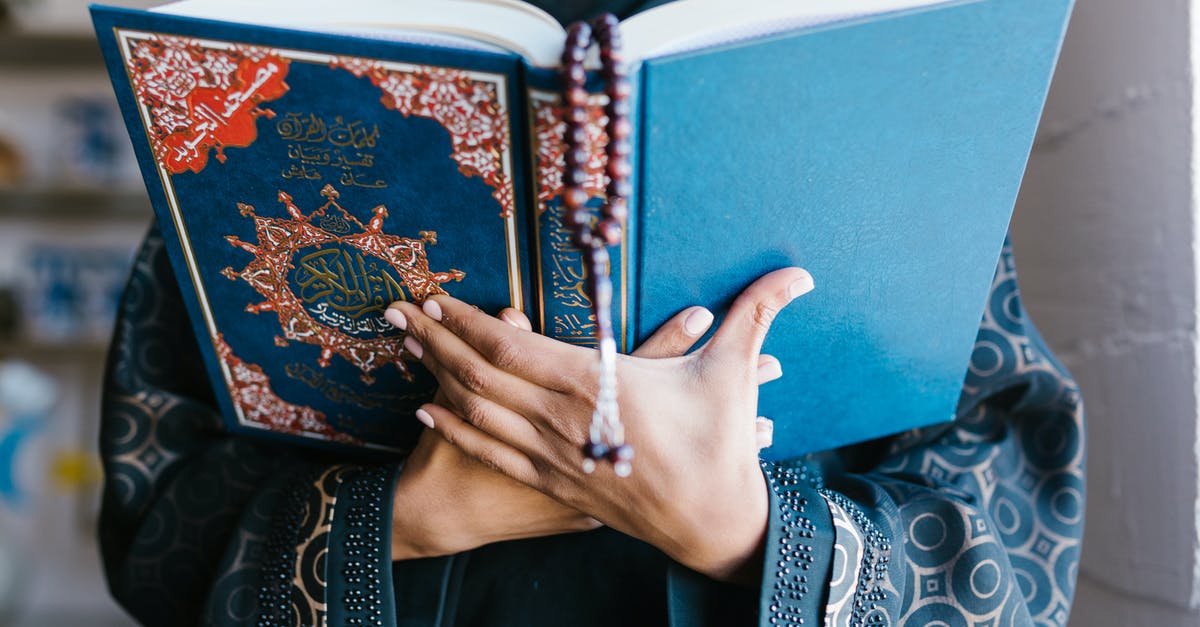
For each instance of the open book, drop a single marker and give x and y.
(312, 161)
(533, 34)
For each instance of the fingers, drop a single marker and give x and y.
(741, 334)
(463, 374)
(769, 369)
(677, 336)
(515, 318)
(490, 451)
(529, 356)
(486, 415)
(764, 430)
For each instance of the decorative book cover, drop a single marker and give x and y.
(304, 181)
(307, 191)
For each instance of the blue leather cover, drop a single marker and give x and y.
(882, 154)
(439, 149)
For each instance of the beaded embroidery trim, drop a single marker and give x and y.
(793, 555)
(366, 514)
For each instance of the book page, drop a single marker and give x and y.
(687, 25)
(465, 24)
(521, 28)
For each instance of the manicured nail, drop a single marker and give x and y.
(698, 322)
(413, 346)
(396, 318)
(764, 432)
(769, 370)
(425, 418)
(800, 287)
(432, 309)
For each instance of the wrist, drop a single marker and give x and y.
(422, 524)
(732, 550)
(410, 539)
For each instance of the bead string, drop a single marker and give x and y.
(594, 234)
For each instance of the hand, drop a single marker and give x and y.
(697, 492)
(446, 502)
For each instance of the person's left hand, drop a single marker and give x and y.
(696, 492)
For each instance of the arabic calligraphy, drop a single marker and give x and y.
(198, 100)
(568, 276)
(320, 149)
(340, 392)
(346, 289)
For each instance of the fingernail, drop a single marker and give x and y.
(765, 433)
(698, 322)
(800, 287)
(413, 346)
(509, 319)
(432, 309)
(396, 318)
(769, 370)
(425, 418)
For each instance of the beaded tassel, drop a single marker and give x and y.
(606, 436)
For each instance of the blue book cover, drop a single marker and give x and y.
(303, 181)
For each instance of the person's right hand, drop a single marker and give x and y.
(446, 502)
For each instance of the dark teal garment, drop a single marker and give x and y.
(975, 522)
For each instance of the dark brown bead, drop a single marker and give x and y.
(595, 451)
(577, 115)
(577, 158)
(622, 128)
(579, 32)
(620, 89)
(609, 230)
(573, 54)
(575, 73)
(577, 135)
(580, 217)
(617, 108)
(605, 23)
(574, 198)
(577, 177)
(582, 239)
(612, 57)
(577, 96)
(622, 453)
(618, 168)
(622, 188)
(617, 209)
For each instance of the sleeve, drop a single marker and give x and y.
(978, 522)
(198, 526)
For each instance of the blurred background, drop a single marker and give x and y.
(1105, 231)
(72, 210)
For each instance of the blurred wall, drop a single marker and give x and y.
(1106, 236)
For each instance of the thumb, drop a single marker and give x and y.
(741, 334)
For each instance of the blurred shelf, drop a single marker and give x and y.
(29, 51)
(26, 349)
(75, 203)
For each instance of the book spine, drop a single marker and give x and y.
(561, 305)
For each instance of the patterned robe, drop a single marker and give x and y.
(977, 522)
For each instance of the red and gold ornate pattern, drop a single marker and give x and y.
(279, 239)
(470, 110)
(201, 97)
(258, 405)
(548, 133)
